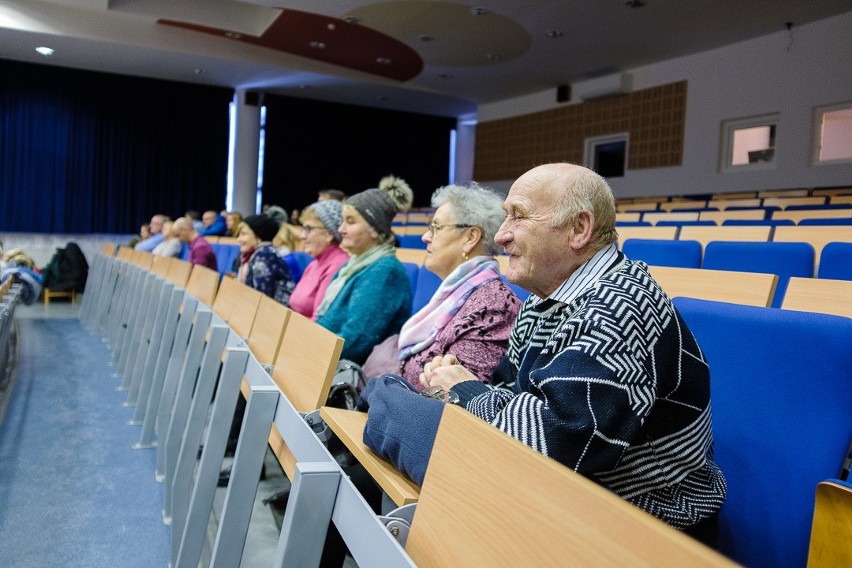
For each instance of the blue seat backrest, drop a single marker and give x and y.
(226, 254)
(783, 259)
(411, 241)
(685, 223)
(759, 222)
(412, 270)
(781, 392)
(837, 221)
(835, 261)
(427, 283)
(662, 252)
(184, 251)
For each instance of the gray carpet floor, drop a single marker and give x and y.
(72, 490)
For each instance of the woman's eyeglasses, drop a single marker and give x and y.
(306, 229)
(435, 227)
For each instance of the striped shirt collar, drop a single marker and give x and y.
(586, 275)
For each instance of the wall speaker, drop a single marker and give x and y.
(563, 93)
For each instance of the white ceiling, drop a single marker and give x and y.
(471, 60)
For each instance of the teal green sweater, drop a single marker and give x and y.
(370, 308)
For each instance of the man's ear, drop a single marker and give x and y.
(582, 230)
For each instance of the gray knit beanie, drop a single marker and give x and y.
(378, 206)
(277, 214)
(330, 214)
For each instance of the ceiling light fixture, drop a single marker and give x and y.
(198, 71)
(493, 56)
(476, 11)
(554, 34)
(46, 51)
(351, 19)
(383, 61)
(317, 45)
(233, 35)
(425, 37)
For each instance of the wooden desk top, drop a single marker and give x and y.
(349, 427)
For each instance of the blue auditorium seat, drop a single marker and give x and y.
(226, 254)
(783, 259)
(759, 222)
(827, 221)
(705, 223)
(662, 252)
(632, 224)
(781, 392)
(411, 241)
(413, 270)
(184, 251)
(297, 261)
(818, 206)
(835, 261)
(427, 283)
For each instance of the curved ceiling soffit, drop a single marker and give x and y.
(330, 40)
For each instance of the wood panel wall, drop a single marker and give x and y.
(654, 118)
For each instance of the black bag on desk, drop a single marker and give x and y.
(346, 385)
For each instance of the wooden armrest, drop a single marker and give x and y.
(349, 427)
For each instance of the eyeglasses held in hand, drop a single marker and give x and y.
(438, 393)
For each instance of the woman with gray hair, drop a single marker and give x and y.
(471, 313)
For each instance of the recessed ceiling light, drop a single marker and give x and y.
(233, 35)
(351, 19)
(198, 71)
(383, 61)
(493, 56)
(479, 11)
(317, 45)
(46, 51)
(425, 37)
(554, 34)
(331, 27)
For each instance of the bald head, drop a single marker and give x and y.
(184, 229)
(557, 217)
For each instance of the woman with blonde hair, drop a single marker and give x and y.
(232, 222)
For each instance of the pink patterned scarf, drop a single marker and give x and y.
(421, 329)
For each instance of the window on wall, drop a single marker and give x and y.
(749, 143)
(832, 134)
(607, 155)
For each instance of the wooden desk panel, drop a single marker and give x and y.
(349, 427)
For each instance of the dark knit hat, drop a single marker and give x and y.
(378, 206)
(263, 226)
(330, 214)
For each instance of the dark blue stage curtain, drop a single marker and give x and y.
(90, 152)
(312, 145)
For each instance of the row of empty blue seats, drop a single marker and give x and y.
(753, 222)
(784, 259)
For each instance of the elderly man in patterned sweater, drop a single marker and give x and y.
(606, 378)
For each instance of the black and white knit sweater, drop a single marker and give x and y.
(614, 386)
